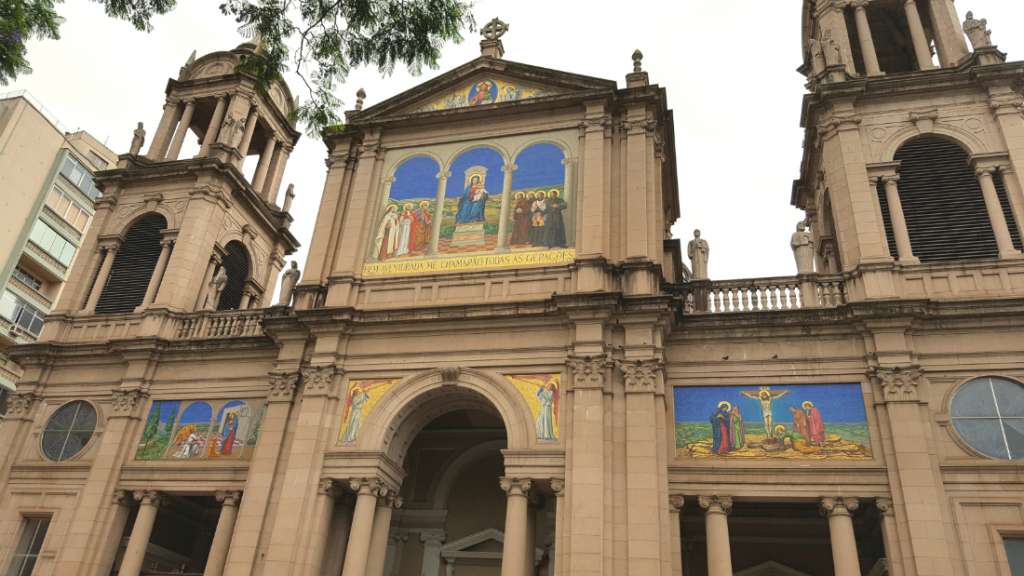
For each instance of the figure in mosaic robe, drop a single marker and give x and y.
(548, 398)
(521, 219)
(800, 422)
(815, 424)
(421, 227)
(230, 432)
(721, 434)
(765, 397)
(406, 221)
(358, 399)
(554, 222)
(387, 234)
(537, 210)
(472, 203)
(737, 429)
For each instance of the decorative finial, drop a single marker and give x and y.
(191, 58)
(491, 45)
(495, 29)
(638, 58)
(360, 97)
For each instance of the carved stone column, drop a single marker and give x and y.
(435, 230)
(890, 536)
(675, 507)
(995, 213)
(181, 130)
(557, 558)
(514, 552)
(1014, 195)
(386, 504)
(222, 536)
(162, 136)
(506, 202)
(432, 540)
(323, 514)
(905, 252)
(867, 42)
(109, 255)
(716, 523)
(917, 36)
(215, 122)
(357, 554)
(250, 128)
(135, 553)
(260, 176)
(166, 245)
(121, 502)
(262, 468)
(840, 529)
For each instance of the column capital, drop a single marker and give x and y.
(899, 383)
(985, 171)
(515, 486)
(228, 497)
(391, 500)
(568, 161)
(839, 506)
(125, 401)
(588, 372)
(109, 244)
(443, 175)
(715, 504)
(319, 380)
(676, 502)
(366, 486)
(282, 386)
(20, 405)
(558, 486)
(641, 376)
(147, 497)
(121, 498)
(884, 506)
(509, 167)
(326, 487)
(860, 4)
(889, 178)
(435, 536)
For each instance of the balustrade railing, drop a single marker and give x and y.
(764, 294)
(233, 324)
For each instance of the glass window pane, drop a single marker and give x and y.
(62, 418)
(974, 399)
(1015, 554)
(1014, 428)
(27, 567)
(76, 441)
(1010, 397)
(86, 420)
(40, 526)
(985, 436)
(53, 444)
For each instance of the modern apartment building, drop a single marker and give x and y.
(47, 201)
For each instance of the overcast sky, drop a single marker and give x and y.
(728, 66)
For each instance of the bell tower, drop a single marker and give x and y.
(914, 147)
(176, 235)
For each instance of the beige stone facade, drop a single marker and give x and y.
(495, 360)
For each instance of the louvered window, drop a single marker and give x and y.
(133, 267)
(943, 204)
(236, 266)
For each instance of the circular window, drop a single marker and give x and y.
(988, 413)
(68, 430)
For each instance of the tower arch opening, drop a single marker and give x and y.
(133, 266)
(237, 268)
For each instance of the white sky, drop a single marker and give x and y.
(728, 67)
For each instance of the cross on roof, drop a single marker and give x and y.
(494, 29)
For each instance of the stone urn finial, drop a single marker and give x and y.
(638, 58)
(360, 97)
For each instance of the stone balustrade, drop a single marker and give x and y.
(233, 324)
(765, 294)
(155, 323)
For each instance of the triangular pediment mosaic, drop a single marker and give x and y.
(484, 82)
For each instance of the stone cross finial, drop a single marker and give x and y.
(638, 58)
(494, 29)
(360, 97)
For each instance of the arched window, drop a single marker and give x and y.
(236, 266)
(943, 204)
(133, 266)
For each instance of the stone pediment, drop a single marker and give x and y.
(484, 83)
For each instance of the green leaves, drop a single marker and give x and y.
(330, 38)
(21, 20)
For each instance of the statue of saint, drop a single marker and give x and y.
(698, 251)
(138, 139)
(288, 282)
(977, 31)
(803, 249)
(289, 196)
(818, 64)
(217, 284)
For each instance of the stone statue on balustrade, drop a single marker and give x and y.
(833, 55)
(698, 251)
(138, 139)
(977, 31)
(803, 249)
(289, 280)
(217, 284)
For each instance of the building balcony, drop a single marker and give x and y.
(55, 267)
(155, 323)
(764, 294)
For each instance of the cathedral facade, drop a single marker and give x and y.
(495, 360)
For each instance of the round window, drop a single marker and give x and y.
(69, 430)
(988, 413)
